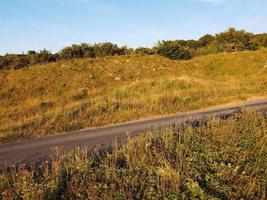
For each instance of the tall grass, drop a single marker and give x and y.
(81, 93)
(218, 160)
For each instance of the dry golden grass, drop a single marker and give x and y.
(81, 93)
(221, 159)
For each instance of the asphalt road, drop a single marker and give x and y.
(39, 149)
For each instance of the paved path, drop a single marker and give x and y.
(40, 149)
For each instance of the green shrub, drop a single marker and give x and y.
(97, 50)
(173, 50)
(260, 40)
(109, 49)
(14, 61)
(229, 41)
(206, 40)
(144, 51)
(234, 40)
(77, 51)
(44, 56)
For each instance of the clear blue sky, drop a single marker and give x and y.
(53, 24)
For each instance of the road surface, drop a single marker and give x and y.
(36, 150)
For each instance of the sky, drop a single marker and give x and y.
(53, 24)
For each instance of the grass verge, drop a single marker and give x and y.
(222, 159)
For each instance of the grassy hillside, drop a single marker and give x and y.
(69, 95)
(223, 159)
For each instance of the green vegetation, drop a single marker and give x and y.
(173, 50)
(229, 41)
(80, 93)
(86, 85)
(222, 159)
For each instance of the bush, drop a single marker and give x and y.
(109, 49)
(44, 56)
(91, 51)
(144, 51)
(234, 40)
(260, 40)
(228, 41)
(12, 61)
(206, 40)
(212, 48)
(18, 61)
(173, 50)
(31, 52)
(77, 51)
(3, 62)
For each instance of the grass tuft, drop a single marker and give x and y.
(222, 159)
